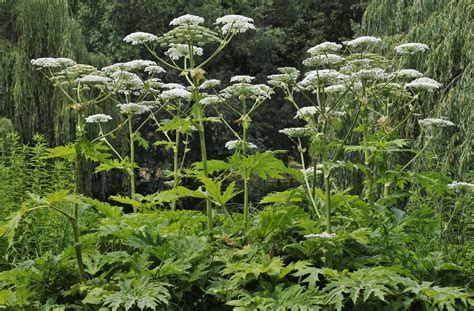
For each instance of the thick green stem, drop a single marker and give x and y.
(175, 166)
(75, 212)
(131, 171)
(245, 172)
(78, 250)
(202, 142)
(369, 177)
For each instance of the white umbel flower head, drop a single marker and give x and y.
(124, 80)
(435, 122)
(170, 86)
(209, 84)
(317, 77)
(306, 112)
(140, 38)
(456, 185)
(242, 79)
(411, 48)
(93, 79)
(423, 84)
(176, 94)
(187, 19)
(235, 23)
(177, 50)
(133, 108)
(409, 73)
(375, 74)
(154, 69)
(324, 47)
(323, 59)
(97, 118)
(363, 41)
(295, 132)
(211, 100)
(310, 170)
(51, 62)
(233, 144)
(323, 235)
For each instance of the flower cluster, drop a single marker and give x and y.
(323, 60)
(455, 185)
(177, 50)
(306, 112)
(209, 84)
(408, 73)
(363, 41)
(140, 38)
(324, 47)
(93, 79)
(235, 23)
(176, 94)
(51, 62)
(242, 79)
(97, 118)
(233, 144)
(323, 235)
(211, 100)
(310, 170)
(187, 19)
(133, 108)
(318, 77)
(411, 48)
(295, 132)
(124, 81)
(425, 84)
(258, 92)
(154, 69)
(288, 76)
(435, 122)
(374, 74)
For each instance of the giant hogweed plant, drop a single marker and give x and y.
(348, 86)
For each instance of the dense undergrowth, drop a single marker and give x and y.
(362, 230)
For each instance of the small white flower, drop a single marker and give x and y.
(124, 80)
(310, 170)
(426, 84)
(455, 185)
(96, 118)
(324, 47)
(317, 77)
(209, 84)
(435, 122)
(94, 79)
(242, 79)
(177, 50)
(411, 48)
(140, 38)
(233, 144)
(409, 73)
(133, 108)
(235, 23)
(211, 100)
(187, 19)
(362, 41)
(306, 112)
(294, 132)
(245, 90)
(154, 69)
(323, 59)
(170, 86)
(323, 235)
(371, 74)
(176, 94)
(51, 62)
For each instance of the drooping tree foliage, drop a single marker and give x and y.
(33, 29)
(446, 26)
